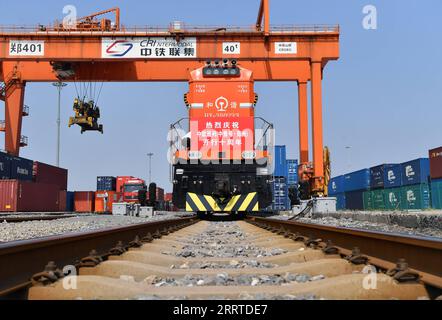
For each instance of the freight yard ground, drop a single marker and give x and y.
(79, 223)
(419, 223)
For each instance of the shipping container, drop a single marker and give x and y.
(385, 176)
(354, 200)
(160, 194)
(21, 169)
(105, 199)
(84, 201)
(436, 194)
(340, 201)
(28, 196)
(436, 163)
(45, 173)
(415, 197)
(377, 199)
(5, 166)
(416, 171)
(70, 201)
(336, 185)
(106, 184)
(392, 176)
(358, 180)
(281, 200)
(292, 172)
(62, 198)
(368, 200)
(392, 198)
(280, 161)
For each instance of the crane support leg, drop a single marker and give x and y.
(303, 122)
(14, 99)
(317, 182)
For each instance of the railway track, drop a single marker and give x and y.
(254, 259)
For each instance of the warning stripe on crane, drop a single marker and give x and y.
(242, 203)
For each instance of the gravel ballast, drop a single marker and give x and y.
(353, 222)
(39, 229)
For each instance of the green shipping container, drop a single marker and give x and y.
(377, 199)
(415, 197)
(392, 198)
(368, 203)
(436, 194)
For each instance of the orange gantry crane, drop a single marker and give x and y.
(99, 50)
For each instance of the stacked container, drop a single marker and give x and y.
(45, 173)
(280, 188)
(385, 180)
(84, 201)
(415, 193)
(106, 184)
(355, 184)
(336, 189)
(292, 172)
(27, 196)
(436, 177)
(281, 201)
(5, 166)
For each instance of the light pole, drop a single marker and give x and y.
(59, 86)
(150, 155)
(348, 148)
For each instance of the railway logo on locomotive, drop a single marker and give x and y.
(221, 104)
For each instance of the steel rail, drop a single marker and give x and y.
(19, 260)
(384, 250)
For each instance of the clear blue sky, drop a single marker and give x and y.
(383, 98)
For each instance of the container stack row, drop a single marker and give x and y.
(31, 186)
(285, 179)
(412, 185)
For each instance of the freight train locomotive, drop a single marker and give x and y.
(219, 163)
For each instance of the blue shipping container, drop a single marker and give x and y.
(292, 172)
(336, 185)
(5, 166)
(106, 183)
(281, 200)
(416, 171)
(436, 194)
(21, 169)
(385, 176)
(358, 180)
(340, 201)
(280, 160)
(392, 176)
(70, 201)
(354, 200)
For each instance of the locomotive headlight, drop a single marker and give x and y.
(249, 155)
(195, 155)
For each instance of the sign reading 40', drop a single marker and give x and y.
(150, 48)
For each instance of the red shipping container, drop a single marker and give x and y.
(62, 198)
(45, 173)
(436, 163)
(84, 201)
(120, 182)
(105, 199)
(28, 196)
(160, 194)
